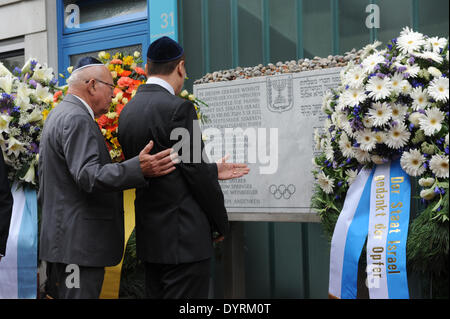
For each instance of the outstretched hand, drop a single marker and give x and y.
(160, 164)
(230, 170)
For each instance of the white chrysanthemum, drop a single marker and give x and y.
(369, 49)
(345, 146)
(367, 122)
(415, 117)
(397, 81)
(378, 159)
(353, 96)
(351, 175)
(366, 140)
(355, 77)
(434, 72)
(325, 182)
(361, 156)
(405, 88)
(380, 137)
(431, 123)
(436, 43)
(380, 113)
(412, 162)
(429, 55)
(420, 98)
(379, 88)
(398, 112)
(371, 62)
(410, 41)
(427, 194)
(426, 182)
(397, 136)
(438, 89)
(412, 70)
(439, 165)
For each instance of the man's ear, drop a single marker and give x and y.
(180, 67)
(146, 70)
(91, 87)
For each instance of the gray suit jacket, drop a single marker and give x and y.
(80, 190)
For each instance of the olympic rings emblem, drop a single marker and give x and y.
(282, 191)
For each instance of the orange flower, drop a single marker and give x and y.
(139, 71)
(102, 121)
(117, 91)
(119, 108)
(57, 95)
(125, 73)
(125, 82)
(116, 61)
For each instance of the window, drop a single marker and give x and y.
(103, 12)
(13, 59)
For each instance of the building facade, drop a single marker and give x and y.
(278, 259)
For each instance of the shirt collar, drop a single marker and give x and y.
(91, 112)
(161, 82)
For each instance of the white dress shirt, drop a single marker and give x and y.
(86, 105)
(161, 82)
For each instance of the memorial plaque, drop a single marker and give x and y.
(267, 122)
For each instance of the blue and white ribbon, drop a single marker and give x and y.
(18, 269)
(377, 208)
(348, 238)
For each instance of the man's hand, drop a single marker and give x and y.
(230, 170)
(160, 164)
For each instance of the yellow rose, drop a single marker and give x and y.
(70, 69)
(137, 54)
(191, 97)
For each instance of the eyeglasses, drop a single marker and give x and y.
(112, 86)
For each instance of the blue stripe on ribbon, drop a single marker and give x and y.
(397, 281)
(27, 248)
(356, 237)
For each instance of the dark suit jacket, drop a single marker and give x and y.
(80, 190)
(6, 204)
(176, 213)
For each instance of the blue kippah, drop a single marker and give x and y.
(164, 50)
(85, 62)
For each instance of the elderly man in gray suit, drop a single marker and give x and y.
(82, 226)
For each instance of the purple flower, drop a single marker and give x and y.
(401, 69)
(33, 83)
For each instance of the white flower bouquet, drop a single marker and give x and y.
(24, 95)
(393, 105)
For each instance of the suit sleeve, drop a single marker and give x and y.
(6, 204)
(198, 173)
(81, 151)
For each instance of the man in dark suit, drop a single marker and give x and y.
(82, 225)
(6, 204)
(178, 213)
